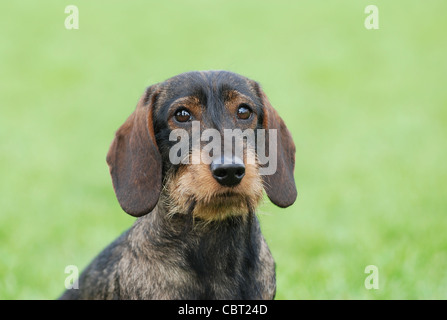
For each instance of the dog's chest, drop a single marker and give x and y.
(209, 267)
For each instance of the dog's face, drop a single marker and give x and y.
(195, 140)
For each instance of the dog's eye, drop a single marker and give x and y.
(244, 112)
(182, 115)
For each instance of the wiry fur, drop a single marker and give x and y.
(194, 183)
(171, 258)
(194, 238)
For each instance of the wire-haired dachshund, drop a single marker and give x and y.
(197, 235)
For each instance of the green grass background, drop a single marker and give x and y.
(367, 110)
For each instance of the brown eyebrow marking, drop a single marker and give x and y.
(236, 95)
(192, 103)
(234, 99)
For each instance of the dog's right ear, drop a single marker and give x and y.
(134, 160)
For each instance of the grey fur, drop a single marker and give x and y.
(178, 258)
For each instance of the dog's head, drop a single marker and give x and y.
(208, 143)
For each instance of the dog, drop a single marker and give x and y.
(197, 235)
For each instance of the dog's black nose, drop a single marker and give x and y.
(228, 172)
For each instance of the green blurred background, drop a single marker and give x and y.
(367, 110)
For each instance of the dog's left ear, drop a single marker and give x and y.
(280, 186)
(134, 160)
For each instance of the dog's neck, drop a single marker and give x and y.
(207, 241)
(186, 224)
(214, 259)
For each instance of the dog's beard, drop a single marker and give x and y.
(222, 207)
(192, 190)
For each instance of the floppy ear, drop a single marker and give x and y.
(280, 186)
(134, 160)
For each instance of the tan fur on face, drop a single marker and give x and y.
(194, 183)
